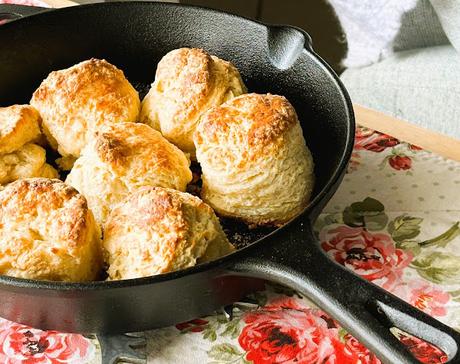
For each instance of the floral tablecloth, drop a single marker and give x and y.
(394, 221)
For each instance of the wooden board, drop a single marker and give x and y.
(430, 140)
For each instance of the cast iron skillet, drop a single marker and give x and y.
(277, 59)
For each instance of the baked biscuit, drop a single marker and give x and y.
(157, 230)
(27, 161)
(188, 82)
(48, 171)
(256, 165)
(47, 232)
(120, 159)
(19, 124)
(76, 101)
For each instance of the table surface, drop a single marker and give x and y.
(408, 243)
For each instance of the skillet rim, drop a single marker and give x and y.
(320, 198)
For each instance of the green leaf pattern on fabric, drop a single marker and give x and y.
(232, 329)
(404, 227)
(445, 238)
(342, 334)
(455, 295)
(438, 267)
(226, 353)
(368, 213)
(411, 245)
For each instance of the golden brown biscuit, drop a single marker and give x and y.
(76, 101)
(188, 82)
(65, 163)
(157, 230)
(256, 165)
(120, 159)
(48, 171)
(27, 161)
(19, 124)
(47, 232)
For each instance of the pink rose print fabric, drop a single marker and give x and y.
(354, 349)
(285, 332)
(372, 256)
(21, 2)
(400, 163)
(373, 141)
(423, 351)
(427, 297)
(288, 330)
(22, 344)
(25, 2)
(390, 151)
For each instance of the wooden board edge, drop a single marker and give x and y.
(429, 140)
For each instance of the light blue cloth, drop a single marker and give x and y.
(420, 85)
(420, 82)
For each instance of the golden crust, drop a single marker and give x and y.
(120, 147)
(66, 163)
(47, 232)
(264, 118)
(188, 82)
(48, 171)
(122, 158)
(27, 161)
(76, 101)
(157, 230)
(19, 124)
(256, 165)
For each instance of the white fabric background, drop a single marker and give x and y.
(370, 27)
(403, 59)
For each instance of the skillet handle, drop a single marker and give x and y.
(364, 309)
(9, 12)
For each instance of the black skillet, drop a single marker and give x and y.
(277, 59)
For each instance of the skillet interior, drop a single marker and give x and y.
(134, 36)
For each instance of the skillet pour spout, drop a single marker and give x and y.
(276, 59)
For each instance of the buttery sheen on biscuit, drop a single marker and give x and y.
(47, 232)
(157, 230)
(120, 159)
(255, 162)
(76, 101)
(188, 82)
(19, 124)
